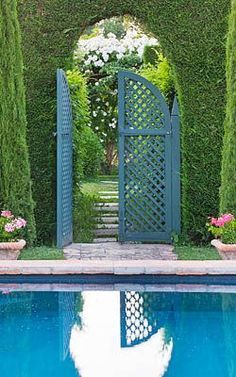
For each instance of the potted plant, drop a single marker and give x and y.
(11, 231)
(223, 229)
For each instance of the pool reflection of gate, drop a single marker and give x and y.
(138, 321)
(67, 316)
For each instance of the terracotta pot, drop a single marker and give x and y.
(226, 250)
(11, 250)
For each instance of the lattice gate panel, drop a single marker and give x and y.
(144, 161)
(64, 161)
(138, 320)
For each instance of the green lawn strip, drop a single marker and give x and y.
(196, 253)
(96, 185)
(41, 252)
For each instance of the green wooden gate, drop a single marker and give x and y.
(149, 162)
(64, 161)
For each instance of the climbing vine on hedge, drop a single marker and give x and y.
(192, 35)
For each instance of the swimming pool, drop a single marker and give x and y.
(126, 333)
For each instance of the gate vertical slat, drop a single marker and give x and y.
(121, 94)
(145, 162)
(64, 162)
(175, 124)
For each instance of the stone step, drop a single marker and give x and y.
(109, 210)
(105, 204)
(104, 240)
(106, 232)
(108, 193)
(107, 220)
(106, 197)
(107, 226)
(110, 182)
(104, 216)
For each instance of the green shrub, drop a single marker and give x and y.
(161, 76)
(151, 55)
(87, 149)
(15, 181)
(84, 218)
(92, 152)
(191, 34)
(228, 173)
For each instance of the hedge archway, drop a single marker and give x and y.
(192, 34)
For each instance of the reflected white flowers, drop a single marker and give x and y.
(96, 350)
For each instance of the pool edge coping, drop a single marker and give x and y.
(118, 267)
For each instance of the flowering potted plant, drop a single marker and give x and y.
(11, 229)
(223, 229)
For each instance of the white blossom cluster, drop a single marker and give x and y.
(98, 49)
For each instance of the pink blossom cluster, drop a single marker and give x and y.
(14, 224)
(7, 214)
(222, 220)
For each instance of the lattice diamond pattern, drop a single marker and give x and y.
(145, 206)
(65, 159)
(142, 107)
(140, 322)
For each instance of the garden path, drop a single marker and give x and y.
(107, 213)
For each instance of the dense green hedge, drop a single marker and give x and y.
(228, 185)
(15, 182)
(87, 150)
(192, 35)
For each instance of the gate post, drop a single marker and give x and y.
(175, 125)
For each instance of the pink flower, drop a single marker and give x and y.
(6, 214)
(220, 222)
(227, 217)
(19, 223)
(214, 221)
(9, 227)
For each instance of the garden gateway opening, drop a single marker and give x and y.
(147, 138)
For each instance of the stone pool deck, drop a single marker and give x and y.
(118, 267)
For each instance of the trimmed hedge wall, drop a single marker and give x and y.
(192, 35)
(228, 185)
(15, 181)
(87, 149)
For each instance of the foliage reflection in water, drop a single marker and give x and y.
(111, 334)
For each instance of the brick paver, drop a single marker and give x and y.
(116, 251)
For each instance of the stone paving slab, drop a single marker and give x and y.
(117, 251)
(121, 267)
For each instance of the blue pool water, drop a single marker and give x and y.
(117, 334)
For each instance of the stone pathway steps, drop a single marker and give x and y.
(107, 213)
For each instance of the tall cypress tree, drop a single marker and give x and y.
(15, 182)
(228, 173)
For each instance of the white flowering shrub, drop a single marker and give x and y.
(100, 57)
